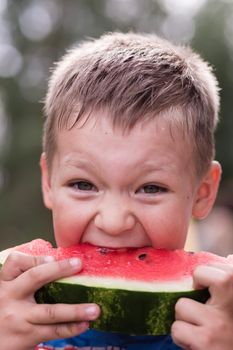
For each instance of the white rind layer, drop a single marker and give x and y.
(134, 285)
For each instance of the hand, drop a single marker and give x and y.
(23, 323)
(207, 326)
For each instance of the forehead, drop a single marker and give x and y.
(152, 138)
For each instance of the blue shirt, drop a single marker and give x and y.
(96, 340)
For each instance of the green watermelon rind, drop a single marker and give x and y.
(122, 311)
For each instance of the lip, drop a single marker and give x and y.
(105, 250)
(109, 248)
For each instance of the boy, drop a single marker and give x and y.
(128, 159)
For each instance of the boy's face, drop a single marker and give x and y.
(124, 190)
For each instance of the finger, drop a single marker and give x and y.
(230, 259)
(62, 313)
(207, 276)
(219, 281)
(17, 263)
(225, 267)
(190, 311)
(184, 334)
(36, 277)
(60, 331)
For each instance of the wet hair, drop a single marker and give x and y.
(135, 77)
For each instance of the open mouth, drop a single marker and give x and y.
(105, 249)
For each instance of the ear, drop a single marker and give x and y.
(207, 191)
(45, 182)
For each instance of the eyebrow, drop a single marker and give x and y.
(79, 164)
(149, 167)
(144, 167)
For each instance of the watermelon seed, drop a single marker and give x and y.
(142, 256)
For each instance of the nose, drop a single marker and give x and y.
(114, 217)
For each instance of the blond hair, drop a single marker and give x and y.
(134, 76)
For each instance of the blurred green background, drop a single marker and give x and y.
(34, 34)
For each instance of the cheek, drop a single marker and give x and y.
(66, 230)
(69, 221)
(167, 226)
(66, 224)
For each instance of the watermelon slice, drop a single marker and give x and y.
(136, 288)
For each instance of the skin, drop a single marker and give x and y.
(117, 189)
(121, 193)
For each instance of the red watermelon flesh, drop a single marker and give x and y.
(145, 264)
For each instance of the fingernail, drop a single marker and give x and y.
(75, 263)
(48, 259)
(91, 311)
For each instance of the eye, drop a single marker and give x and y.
(83, 186)
(151, 189)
